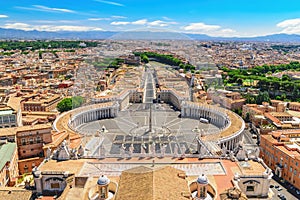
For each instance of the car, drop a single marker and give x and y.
(283, 197)
(276, 186)
(298, 192)
(279, 189)
(271, 186)
(279, 195)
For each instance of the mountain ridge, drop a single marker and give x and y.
(14, 34)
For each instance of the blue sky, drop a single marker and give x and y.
(213, 17)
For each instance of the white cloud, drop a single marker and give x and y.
(167, 18)
(201, 27)
(99, 19)
(48, 9)
(140, 22)
(290, 26)
(211, 30)
(119, 23)
(144, 22)
(110, 2)
(51, 28)
(118, 17)
(3, 16)
(20, 26)
(160, 23)
(289, 22)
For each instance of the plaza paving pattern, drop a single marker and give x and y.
(129, 133)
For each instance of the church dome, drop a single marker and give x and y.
(103, 180)
(202, 179)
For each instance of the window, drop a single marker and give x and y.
(250, 188)
(202, 192)
(291, 169)
(31, 140)
(295, 172)
(103, 192)
(25, 168)
(23, 141)
(38, 139)
(54, 185)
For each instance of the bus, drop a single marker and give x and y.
(203, 120)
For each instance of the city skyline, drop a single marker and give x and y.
(228, 18)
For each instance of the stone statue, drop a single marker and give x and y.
(163, 149)
(131, 149)
(80, 151)
(153, 149)
(122, 150)
(175, 150)
(48, 153)
(102, 151)
(183, 149)
(143, 149)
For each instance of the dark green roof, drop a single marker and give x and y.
(6, 153)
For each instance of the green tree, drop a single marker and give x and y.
(144, 58)
(263, 97)
(77, 101)
(65, 105)
(247, 117)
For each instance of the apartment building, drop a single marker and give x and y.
(30, 141)
(41, 103)
(280, 150)
(8, 164)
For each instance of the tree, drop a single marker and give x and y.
(65, 105)
(286, 77)
(77, 101)
(262, 97)
(247, 117)
(144, 58)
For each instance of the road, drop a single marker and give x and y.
(284, 191)
(149, 87)
(248, 137)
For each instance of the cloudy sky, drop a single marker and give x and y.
(212, 17)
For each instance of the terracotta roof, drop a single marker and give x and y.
(14, 130)
(272, 118)
(152, 183)
(10, 193)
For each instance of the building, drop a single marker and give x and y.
(13, 193)
(30, 141)
(8, 164)
(227, 99)
(274, 115)
(280, 150)
(109, 179)
(8, 117)
(41, 103)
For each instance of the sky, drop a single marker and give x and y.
(225, 18)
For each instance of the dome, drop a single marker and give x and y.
(202, 179)
(103, 180)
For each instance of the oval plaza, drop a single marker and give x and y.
(150, 112)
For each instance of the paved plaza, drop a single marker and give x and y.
(129, 135)
(115, 168)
